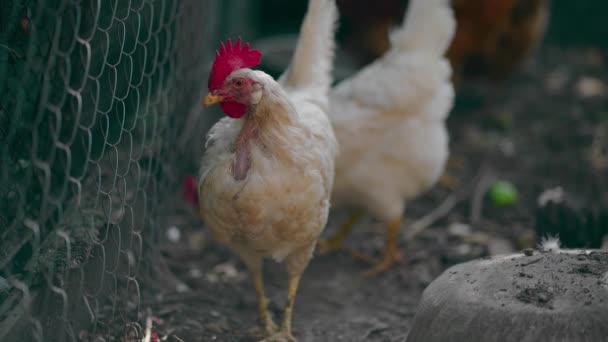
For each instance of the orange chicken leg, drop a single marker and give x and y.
(391, 253)
(267, 323)
(334, 242)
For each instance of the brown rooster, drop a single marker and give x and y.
(492, 36)
(495, 36)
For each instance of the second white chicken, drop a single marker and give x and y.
(389, 120)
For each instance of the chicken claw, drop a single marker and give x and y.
(270, 327)
(281, 336)
(284, 335)
(261, 332)
(388, 261)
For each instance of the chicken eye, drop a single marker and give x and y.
(238, 83)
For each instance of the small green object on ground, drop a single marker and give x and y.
(502, 194)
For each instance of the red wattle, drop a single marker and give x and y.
(233, 109)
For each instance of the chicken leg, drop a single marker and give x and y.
(391, 253)
(294, 282)
(448, 180)
(334, 242)
(296, 264)
(266, 321)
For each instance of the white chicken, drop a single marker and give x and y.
(389, 119)
(267, 172)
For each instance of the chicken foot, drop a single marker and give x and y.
(285, 334)
(391, 253)
(334, 242)
(294, 282)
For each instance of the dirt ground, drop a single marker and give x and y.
(543, 128)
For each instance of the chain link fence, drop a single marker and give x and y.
(96, 110)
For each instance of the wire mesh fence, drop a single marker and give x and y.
(95, 97)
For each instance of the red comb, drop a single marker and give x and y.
(230, 58)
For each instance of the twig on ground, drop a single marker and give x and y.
(444, 208)
(485, 180)
(531, 262)
(441, 211)
(13, 52)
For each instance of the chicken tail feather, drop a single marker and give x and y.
(312, 63)
(429, 28)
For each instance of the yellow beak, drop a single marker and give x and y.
(212, 99)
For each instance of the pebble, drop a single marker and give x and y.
(588, 87)
(459, 229)
(555, 195)
(173, 234)
(195, 273)
(181, 288)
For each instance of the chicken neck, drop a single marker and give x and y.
(265, 125)
(242, 148)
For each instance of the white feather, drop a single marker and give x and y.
(550, 244)
(312, 62)
(428, 29)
